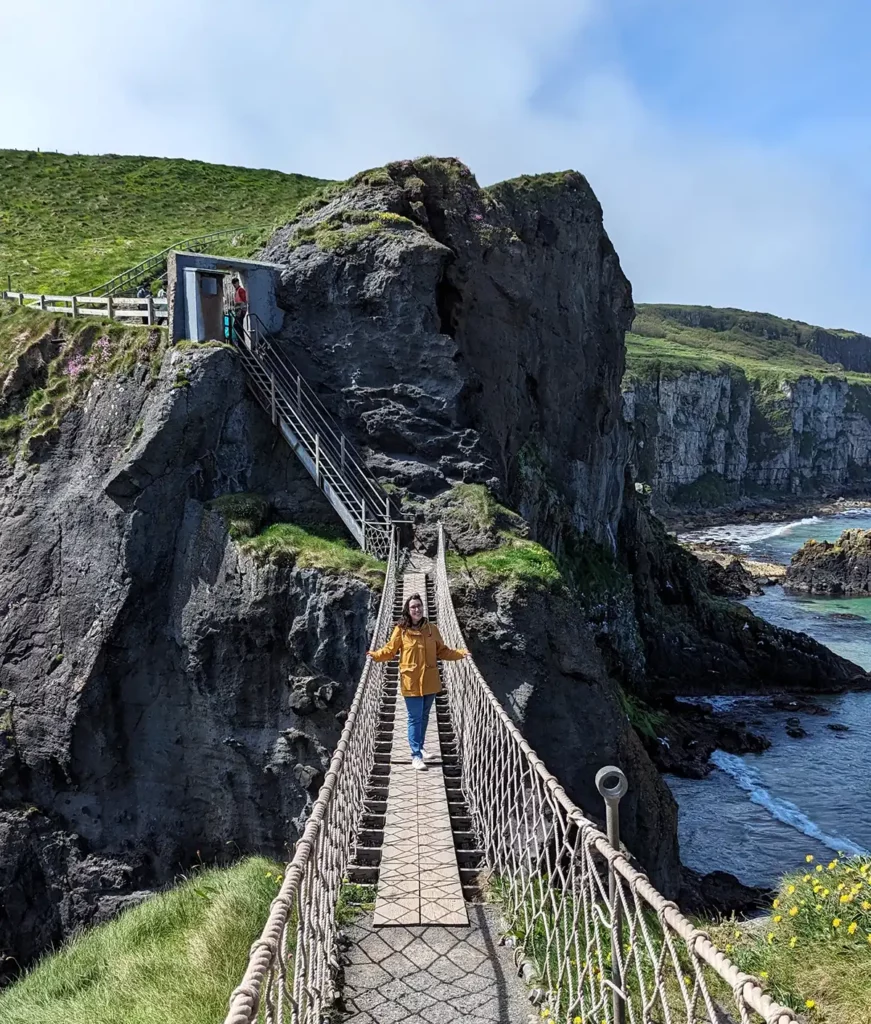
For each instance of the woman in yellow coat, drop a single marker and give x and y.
(419, 645)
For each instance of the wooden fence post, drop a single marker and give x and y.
(110, 307)
(42, 302)
(75, 301)
(150, 306)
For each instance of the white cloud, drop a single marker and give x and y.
(328, 87)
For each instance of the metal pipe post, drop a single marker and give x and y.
(612, 785)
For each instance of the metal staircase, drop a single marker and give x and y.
(329, 456)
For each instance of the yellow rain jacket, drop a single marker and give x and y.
(418, 650)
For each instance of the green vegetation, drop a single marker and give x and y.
(516, 560)
(69, 223)
(347, 228)
(177, 956)
(814, 952)
(74, 352)
(245, 513)
(314, 547)
(709, 491)
(644, 719)
(476, 506)
(670, 341)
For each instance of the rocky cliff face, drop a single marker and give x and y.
(707, 439)
(470, 334)
(163, 697)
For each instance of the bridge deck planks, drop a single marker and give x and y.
(419, 881)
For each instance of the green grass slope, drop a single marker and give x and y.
(672, 340)
(69, 223)
(176, 957)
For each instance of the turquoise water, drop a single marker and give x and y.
(759, 814)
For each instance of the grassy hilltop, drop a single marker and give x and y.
(69, 223)
(669, 340)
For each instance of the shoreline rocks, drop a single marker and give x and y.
(839, 569)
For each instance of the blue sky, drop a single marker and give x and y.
(729, 143)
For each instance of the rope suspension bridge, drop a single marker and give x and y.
(591, 937)
(586, 936)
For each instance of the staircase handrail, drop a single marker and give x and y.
(133, 274)
(292, 965)
(298, 392)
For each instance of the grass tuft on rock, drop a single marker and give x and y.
(244, 513)
(347, 228)
(177, 956)
(516, 561)
(314, 547)
(813, 952)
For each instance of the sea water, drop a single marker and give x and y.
(758, 815)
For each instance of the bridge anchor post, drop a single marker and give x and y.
(612, 784)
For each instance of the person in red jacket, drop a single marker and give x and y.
(240, 308)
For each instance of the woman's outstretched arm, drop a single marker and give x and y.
(445, 653)
(390, 649)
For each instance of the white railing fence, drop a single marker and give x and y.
(291, 972)
(149, 310)
(604, 944)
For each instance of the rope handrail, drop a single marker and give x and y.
(291, 968)
(553, 864)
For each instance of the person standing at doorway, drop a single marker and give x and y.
(240, 308)
(419, 645)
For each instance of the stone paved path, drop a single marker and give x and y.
(432, 975)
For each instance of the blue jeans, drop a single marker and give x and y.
(418, 709)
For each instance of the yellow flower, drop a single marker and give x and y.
(763, 974)
(869, 936)
(806, 878)
(776, 904)
(819, 867)
(809, 1003)
(577, 1020)
(852, 929)
(793, 911)
(866, 905)
(832, 865)
(809, 858)
(737, 934)
(793, 941)
(791, 889)
(825, 892)
(846, 898)
(819, 906)
(729, 947)
(778, 918)
(770, 938)
(545, 1012)
(836, 923)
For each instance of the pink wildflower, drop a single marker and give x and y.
(75, 366)
(477, 216)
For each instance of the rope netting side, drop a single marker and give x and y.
(290, 978)
(551, 867)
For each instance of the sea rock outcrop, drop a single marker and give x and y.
(842, 568)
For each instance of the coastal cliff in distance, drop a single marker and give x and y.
(728, 407)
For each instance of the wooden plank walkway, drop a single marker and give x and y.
(419, 881)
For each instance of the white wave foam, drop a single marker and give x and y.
(746, 534)
(748, 779)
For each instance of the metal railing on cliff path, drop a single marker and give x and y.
(145, 271)
(329, 456)
(590, 931)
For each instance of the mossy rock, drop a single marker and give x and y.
(244, 513)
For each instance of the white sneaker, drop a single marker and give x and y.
(427, 756)
(417, 764)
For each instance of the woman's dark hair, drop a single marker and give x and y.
(405, 620)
